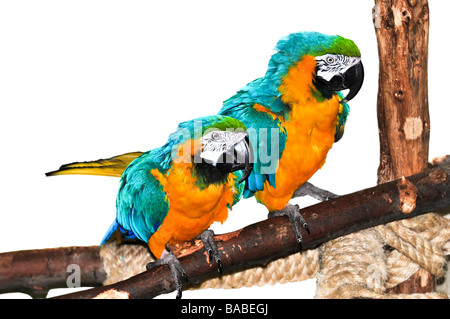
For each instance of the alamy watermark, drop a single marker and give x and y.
(265, 143)
(74, 279)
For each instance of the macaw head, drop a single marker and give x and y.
(217, 145)
(228, 151)
(336, 72)
(335, 62)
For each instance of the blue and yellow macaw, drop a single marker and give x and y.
(174, 193)
(295, 113)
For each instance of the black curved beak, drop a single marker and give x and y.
(352, 79)
(239, 157)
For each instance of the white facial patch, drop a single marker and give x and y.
(215, 143)
(329, 65)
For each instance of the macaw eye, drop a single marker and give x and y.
(215, 135)
(330, 59)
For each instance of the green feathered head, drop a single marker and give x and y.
(292, 48)
(338, 61)
(209, 142)
(214, 143)
(199, 126)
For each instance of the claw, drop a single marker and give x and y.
(207, 238)
(309, 189)
(293, 213)
(175, 267)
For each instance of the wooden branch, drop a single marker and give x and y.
(402, 30)
(35, 272)
(262, 242)
(401, 27)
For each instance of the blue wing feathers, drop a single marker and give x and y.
(115, 228)
(241, 107)
(141, 202)
(260, 181)
(271, 179)
(109, 233)
(248, 193)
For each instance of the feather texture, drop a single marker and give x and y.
(163, 200)
(285, 103)
(113, 166)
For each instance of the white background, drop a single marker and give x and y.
(82, 80)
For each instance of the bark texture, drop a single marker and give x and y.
(402, 30)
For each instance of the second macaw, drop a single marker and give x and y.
(174, 193)
(295, 113)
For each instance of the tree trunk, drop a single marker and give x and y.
(404, 125)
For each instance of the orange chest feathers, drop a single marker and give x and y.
(310, 129)
(191, 209)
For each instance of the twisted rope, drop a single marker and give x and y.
(357, 266)
(296, 267)
(124, 261)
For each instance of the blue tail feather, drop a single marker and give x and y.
(114, 229)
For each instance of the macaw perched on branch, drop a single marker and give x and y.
(174, 193)
(295, 113)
